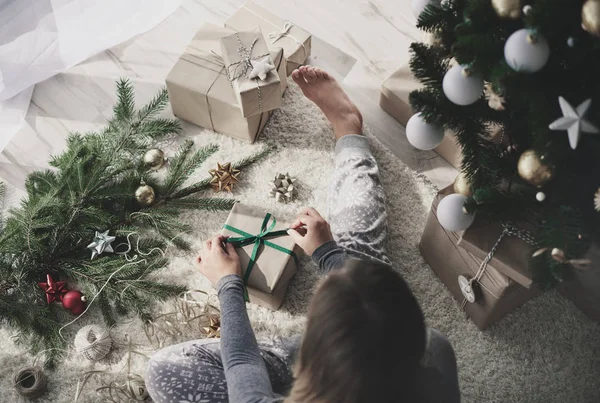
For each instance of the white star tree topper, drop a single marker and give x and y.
(101, 243)
(261, 68)
(573, 120)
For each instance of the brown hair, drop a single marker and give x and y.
(364, 339)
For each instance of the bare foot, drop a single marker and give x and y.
(326, 93)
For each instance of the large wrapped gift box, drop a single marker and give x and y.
(275, 260)
(240, 51)
(295, 41)
(394, 100)
(584, 288)
(497, 294)
(200, 92)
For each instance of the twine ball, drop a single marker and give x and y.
(30, 382)
(93, 342)
(136, 388)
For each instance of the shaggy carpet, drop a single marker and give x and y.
(547, 351)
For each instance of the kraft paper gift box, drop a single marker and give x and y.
(295, 41)
(254, 95)
(497, 294)
(276, 259)
(394, 100)
(200, 92)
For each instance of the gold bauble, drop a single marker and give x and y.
(154, 159)
(461, 185)
(533, 169)
(144, 195)
(507, 8)
(590, 17)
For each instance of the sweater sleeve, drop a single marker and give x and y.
(329, 256)
(245, 371)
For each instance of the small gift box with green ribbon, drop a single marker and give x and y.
(267, 253)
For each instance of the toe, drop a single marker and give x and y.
(310, 75)
(298, 77)
(319, 72)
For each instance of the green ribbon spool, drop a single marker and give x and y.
(258, 239)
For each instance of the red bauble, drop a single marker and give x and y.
(74, 301)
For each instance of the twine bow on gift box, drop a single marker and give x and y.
(285, 31)
(258, 240)
(239, 69)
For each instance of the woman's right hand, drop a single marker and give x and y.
(216, 261)
(310, 230)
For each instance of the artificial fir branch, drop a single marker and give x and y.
(89, 189)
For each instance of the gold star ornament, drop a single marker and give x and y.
(212, 328)
(224, 177)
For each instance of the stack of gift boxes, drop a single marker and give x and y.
(505, 281)
(229, 80)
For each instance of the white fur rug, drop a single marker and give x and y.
(545, 352)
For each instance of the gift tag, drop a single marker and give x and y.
(466, 288)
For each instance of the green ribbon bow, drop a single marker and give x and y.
(258, 239)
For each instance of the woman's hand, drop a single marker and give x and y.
(217, 261)
(310, 230)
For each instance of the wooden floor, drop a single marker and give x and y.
(360, 42)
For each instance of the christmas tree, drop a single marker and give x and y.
(100, 222)
(518, 85)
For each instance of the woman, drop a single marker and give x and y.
(365, 339)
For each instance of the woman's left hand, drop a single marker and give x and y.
(217, 261)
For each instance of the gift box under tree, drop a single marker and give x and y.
(200, 92)
(267, 254)
(295, 41)
(501, 285)
(394, 100)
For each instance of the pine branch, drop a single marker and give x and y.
(209, 204)
(243, 163)
(125, 106)
(157, 104)
(184, 164)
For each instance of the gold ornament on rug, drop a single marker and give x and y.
(559, 255)
(597, 200)
(461, 185)
(212, 328)
(590, 17)
(145, 194)
(284, 188)
(507, 8)
(154, 159)
(532, 168)
(495, 101)
(224, 177)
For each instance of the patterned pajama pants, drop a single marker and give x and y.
(193, 372)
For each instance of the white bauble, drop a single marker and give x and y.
(419, 5)
(452, 215)
(423, 135)
(461, 87)
(526, 51)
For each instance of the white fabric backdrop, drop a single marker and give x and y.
(41, 38)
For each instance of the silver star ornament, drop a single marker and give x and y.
(573, 121)
(101, 243)
(261, 68)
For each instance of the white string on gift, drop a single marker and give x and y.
(509, 229)
(241, 67)
(285, 32)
